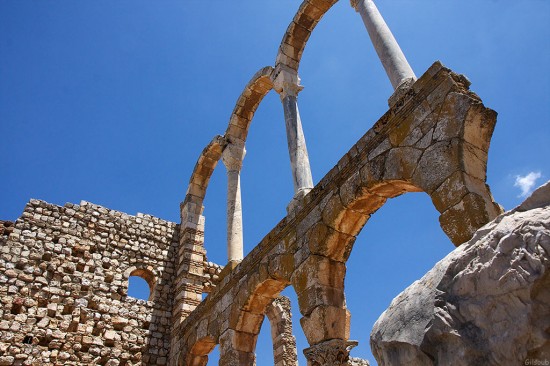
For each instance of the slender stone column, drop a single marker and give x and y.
(287, 84)
(398, 69)
(232, 158)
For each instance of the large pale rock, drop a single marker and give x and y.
(486, 303)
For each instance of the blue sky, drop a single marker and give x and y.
(113, 101)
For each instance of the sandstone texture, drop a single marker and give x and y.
(64, 270)
(486, 303)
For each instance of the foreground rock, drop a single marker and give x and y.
(486, 303)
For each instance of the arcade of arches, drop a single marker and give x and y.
(434, 138)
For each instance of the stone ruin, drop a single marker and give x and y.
(64, 270)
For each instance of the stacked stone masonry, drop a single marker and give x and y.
(63, 286)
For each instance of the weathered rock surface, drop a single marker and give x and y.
(486, 303)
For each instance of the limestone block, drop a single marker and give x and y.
(342, 219)
(451, 116)
(72, 316)
(318, 270)
(475, 161)
(437, 96)
(250, 322)
(437, 163)
(7, 360)
(401, 163)
(454, 188)
(326, 322)
(479, 125)
(320, 295)
(326, 241)
(462, 220)
(281, 267)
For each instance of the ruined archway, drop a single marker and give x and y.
(425, 143)
(198, 354)
(249, 310)
(434, 139)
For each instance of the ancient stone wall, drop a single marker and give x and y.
(284, 343)
(63, 286)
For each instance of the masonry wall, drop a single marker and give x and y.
(63, 286)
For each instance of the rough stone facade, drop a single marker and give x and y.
(63, 283)
(284, 342)
(65, 269)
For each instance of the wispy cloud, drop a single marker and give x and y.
(527, 182)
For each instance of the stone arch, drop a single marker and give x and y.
(146, 273)
(237, 130)
(198, 353)
(284, 343)
(297, 34)
(249, 100)
(194, 344)
(435, 140)
(442, 153)
(198, 183)
(439, 147)
(249, 309)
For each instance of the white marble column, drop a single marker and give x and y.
(232, 158)
(287, 84)
(398, 69)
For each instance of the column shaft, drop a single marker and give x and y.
(287, 83)
(234, 217)
(232, 158)
(387, 48)
(299, 159)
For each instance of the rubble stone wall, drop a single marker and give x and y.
(63, 286)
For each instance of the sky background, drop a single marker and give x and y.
(112, 102)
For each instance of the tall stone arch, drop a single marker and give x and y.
(435, 141)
